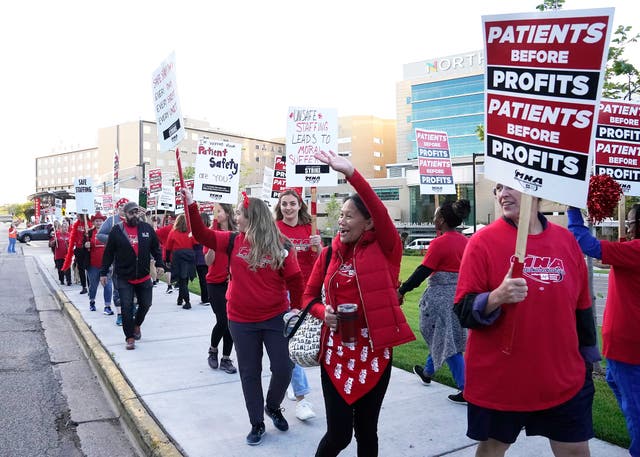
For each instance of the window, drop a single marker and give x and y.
(146, 129)
(377, 140)
(377, 154)
(388, 194)
(194, 136)
(344, 140)
(377, 167)
(146, 145)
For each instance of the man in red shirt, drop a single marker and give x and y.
(532, 339)
(129, 247)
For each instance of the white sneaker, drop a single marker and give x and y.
(304, 411)
(290, 395)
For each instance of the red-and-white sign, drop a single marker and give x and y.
(434, 163)
(155, 180)
(179, 206)
(543, 82)
(618, 144)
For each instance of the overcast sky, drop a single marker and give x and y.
(71, 67)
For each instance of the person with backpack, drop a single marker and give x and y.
(263, 267)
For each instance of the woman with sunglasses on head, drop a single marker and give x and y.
(263, 268)
(363, 270)
(294, 221)
(621, 320)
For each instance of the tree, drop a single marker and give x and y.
(552, 5)
(333, 212)
(622, 79)
(188, 173)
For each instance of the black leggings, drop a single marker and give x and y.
(343, 419)
(216, 294)
(62, 275)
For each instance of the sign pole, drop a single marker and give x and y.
(186, 210)
(314, 214)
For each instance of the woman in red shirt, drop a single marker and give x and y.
(265, 281)
(96, 251)
(60, 244)
(294, 222)
(439, 326)
(217, 282)
(179, 251)
(13, 236)
(363, 270)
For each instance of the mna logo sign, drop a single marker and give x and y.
(528, 181)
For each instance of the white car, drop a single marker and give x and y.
(419, 244)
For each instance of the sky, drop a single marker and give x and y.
(72, 67)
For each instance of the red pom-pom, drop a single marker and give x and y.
(604, 195)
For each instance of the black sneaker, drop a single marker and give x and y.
(457, 398)
(278, 419)
(255, 435)
(419, 372)
(227, 366)
(92, 306)
(187, 305)
(213, 360)
(84, 290)
(169, 289)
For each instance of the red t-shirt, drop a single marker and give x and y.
(299, 237)
(621, 321)
(545, 367)
(61, 245)
(445, 252)
(97, 250)
(218, 271)
(179, 240)
(132, 234)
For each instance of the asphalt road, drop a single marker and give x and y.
(51, 402)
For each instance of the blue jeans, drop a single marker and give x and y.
(299, 382)
(93, 274)
(144, 293)
(11, 249)
(624, 380)
(456, 366)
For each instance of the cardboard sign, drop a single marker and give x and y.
(618, 144)
(217, 171)
(434, 163)
(83, 188)
(543, 80)
(171, 129)
(309, 131)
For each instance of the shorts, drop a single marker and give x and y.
(569, 422)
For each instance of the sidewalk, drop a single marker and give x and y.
(202, 411)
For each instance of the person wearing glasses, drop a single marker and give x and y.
(621, 320)
(130, 245)
(532, 339)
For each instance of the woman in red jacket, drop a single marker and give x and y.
(263, 268)
(179, 251)
(79, 249)
(217, 282)
(363, 269)
(60, 244)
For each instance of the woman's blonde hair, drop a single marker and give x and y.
(267, 244)
(180, 224)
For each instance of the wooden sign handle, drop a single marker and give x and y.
(314, 215)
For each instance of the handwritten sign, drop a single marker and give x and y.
(167, 198)
(434, 163)
(309, 131)
(171, 129)
(618, 144)
(217, 171)
(84, 195)
(543, 80)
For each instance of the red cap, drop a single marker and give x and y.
(122, 202)
(98, 215)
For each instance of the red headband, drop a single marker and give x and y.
(245, 200)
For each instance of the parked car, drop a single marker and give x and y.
(419, 244)
(36, 232)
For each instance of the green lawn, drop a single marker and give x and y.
(607, 419)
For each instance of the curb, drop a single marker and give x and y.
(148, 433)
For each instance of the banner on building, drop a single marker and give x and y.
(309, 131)
(116, 170)
(217, 171)
(83, 188)
(543, 80)
(434, 163)
(618, 144)
(171, 129)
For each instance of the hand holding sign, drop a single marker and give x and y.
(186, 194)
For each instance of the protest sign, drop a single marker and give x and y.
(83, 188)
(543, 80)
(309, 131)
(217, 171)
(434, 163)
(171, 129)
(155, 181)
(167, 198)
(618, 144)
(58, 208)
(179, 203)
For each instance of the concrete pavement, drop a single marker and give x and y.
(179, 405)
